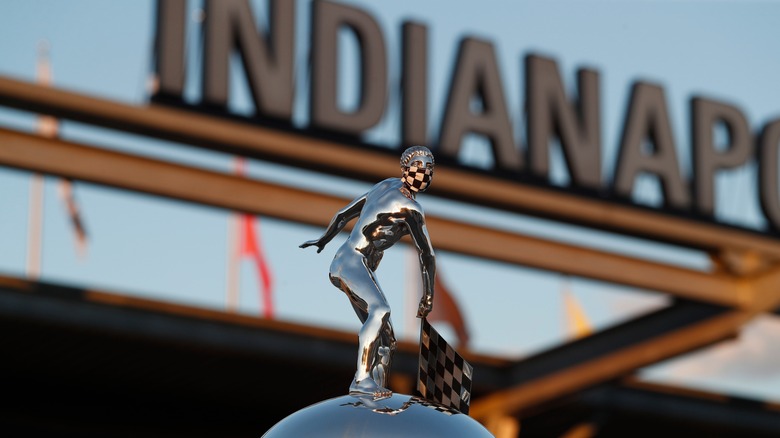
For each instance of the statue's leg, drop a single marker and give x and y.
(360, 285)
(387, 348)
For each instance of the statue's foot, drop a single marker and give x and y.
(378, 374)
(369, 387)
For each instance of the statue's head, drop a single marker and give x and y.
(417, 167)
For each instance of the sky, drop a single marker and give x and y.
(169, 250)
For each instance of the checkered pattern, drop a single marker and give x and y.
(435, 406)
(443, 376)
(418, 178)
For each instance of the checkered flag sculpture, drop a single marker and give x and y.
(443, 375)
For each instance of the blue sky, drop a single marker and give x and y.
(170, 250)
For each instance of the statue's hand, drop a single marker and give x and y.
(315, 242)
(426, 305)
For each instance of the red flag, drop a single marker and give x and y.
(248, 245)
(446, 309)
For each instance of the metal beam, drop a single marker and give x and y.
(577, 372)
(733, 416)
(606, 355)
(292, 147)
(227, 191)
(618, 351)
(142, 351)
(108, 313)
(631, 408)
(176, 181)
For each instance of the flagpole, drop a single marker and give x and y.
(35, 227)
(46, 127)
(233, 293)
(233, 266)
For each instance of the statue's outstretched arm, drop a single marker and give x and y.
(422, 241)
(340, 219)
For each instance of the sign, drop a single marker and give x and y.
(476, 103)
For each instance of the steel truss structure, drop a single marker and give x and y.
(572, 378)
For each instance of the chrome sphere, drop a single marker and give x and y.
(398, 416)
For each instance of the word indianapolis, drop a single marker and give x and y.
(646, 146)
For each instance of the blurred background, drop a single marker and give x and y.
(128, 313)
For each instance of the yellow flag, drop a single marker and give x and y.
(577, 323)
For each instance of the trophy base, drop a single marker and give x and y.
(361, 416)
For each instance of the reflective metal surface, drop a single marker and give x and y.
(362, 416)
(384, 214)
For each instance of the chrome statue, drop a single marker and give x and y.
(385, 213)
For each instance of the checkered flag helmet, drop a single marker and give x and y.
(443, 376)
(415, 177)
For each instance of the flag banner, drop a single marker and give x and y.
(443, 375)
(74, 214)
(576, 320)
(251, 248)
(446, 309)
(445, 306)
(244, 234)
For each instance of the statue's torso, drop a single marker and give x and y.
(383, 220)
